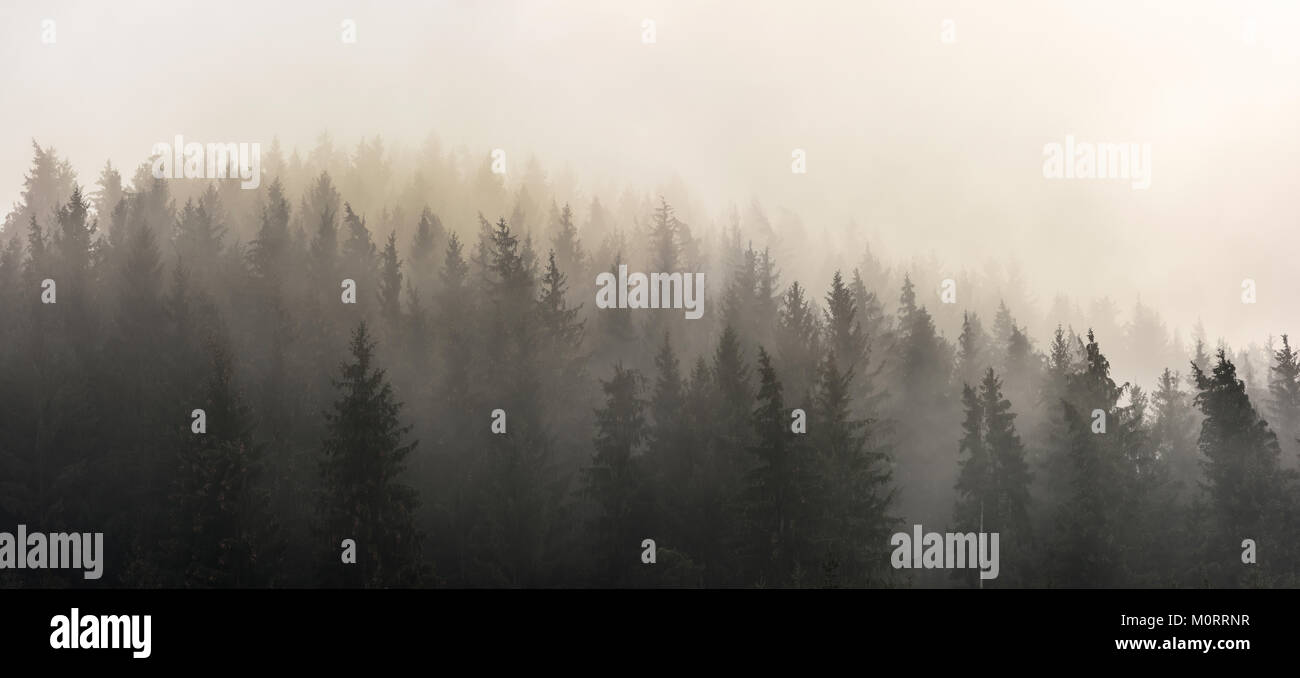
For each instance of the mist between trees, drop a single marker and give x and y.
(373, 421)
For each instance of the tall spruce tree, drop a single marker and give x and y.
(1174, 428)
(390, 286)
(972, 349)
(798, 344)
(1242, 478)
(569, 255)
(926, 414)
(671, 449)
(360, 258)
(429, 237)
(1284, 396)
(728, 462)
(854, 492)
(363, 496)
(843, 332)
(613, 481)
(870, 315)
(776, 500)
(1087, 477)
(223, 534)
(993, 480)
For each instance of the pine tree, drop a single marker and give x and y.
(270, 250)
(615, 331)
(456, 346)
(776, 502)
(738, 307)
(569, 255)
(390, 285)
(108, 192)
(1174, 430)
(11, 275)
(38, 262)
(511, 281)
(613, 482)
(870, 315)
(75, 236)
(269, 257)
(843, 333)
(853, 486)
(364, 498)
(1022, 377)
(520, 486)
(1242, 478)
(139, 405)
(325, 252)
(993, 481)
(664, 245)
(360, 259)
(223, 532)
(798, 343)
(1081, 552)
(1059, 365)
(669, 441)
(74, 248)
(926, 414)
(140, 301)
(1003, 323)
(730, 404)
(510, 320)
(1152, 522)
(429, 235)
(320, 206)
(1087, 477)
(906, 303)
(559, 352)
(1284, 395)
(46, 186)
(201, 231)
(1200, 354)
(731, 378)
(972, 349)
(560, 323)
(52, 415)
(458, 473)
(675, 458)
(765, 291)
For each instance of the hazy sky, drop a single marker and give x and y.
(924, 146)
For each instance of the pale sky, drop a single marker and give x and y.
(924, 146)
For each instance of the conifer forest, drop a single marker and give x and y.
(303, 351)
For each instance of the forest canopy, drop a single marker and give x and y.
(476, 419)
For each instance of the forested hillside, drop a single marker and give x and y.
(474, 420)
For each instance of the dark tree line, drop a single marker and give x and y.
(473, 420)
